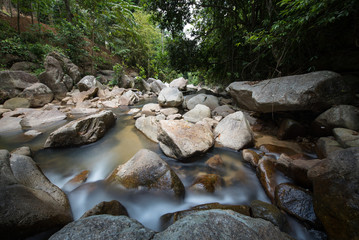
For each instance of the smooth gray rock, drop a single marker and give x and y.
(87, 82)
(156, 86)
(148, 126)
(198, 113)
(223, 111)
(179, 83)
(126, 82)
(326, 145)
(104, 227)
(313, 91)
(10, 124)
(170, 97)
(16, 102)
(42, 118)
(25, 151)
(234, 132)
(82, 131)
(346, 137)
(38, 95)
(341, 116)
(24, 66)
(209, 100)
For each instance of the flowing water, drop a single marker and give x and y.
(118, 146)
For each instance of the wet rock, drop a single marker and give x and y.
(114, 208)
(313, 91)
(268, 212)
(42, 118)
(341, 116)
(267, 143)
(32, 134)
(148, 126)
(38, 94)
(12, 83)
(76, 181)
(215, 162)
(335, 193)
(198, 113)
(234, 132)
(290, 129)
(204, 99)
(297, 202)
(82, 131)
(24, 66)
(156, 86)
(223, 111)
(170, 97)
(221, 224)
(17, 102)
(346, 137)
(104, 227)
(267, 177)
(180, 139)
(30, 203)
(25, 151)
(270, 148)
(179, 83)
(88, 82)
(146, 170)
(207, 183)
(326, 145)
(250, 156)
(10, 124)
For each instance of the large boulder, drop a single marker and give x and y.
(126, 82)
(69, 67)
(221, 224)
(42, 118)
(180, 139)
(38, 94)
(146, 170)
(82, 131)
(335, 193)
(148, 126)
(234, 131)
(209, 100)
(16, 102)
(104, 227)
(12, 83)
(30, 203)
(170, 97)
(24, 66)
(341, 116)
(198, 113)
(313, 91)
(87, 82)
(179, 83)
(10, 124)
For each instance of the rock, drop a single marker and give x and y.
(268, 212)
(267, 177)
(30, 203)
(151, 109)
(10, 124)
(198, 113)
(71, 69)
(223, 111)
(170, 97)
(290, 129)
(25, 151)
(346, 137)
(3, 110)
(13, 83)
(17, 102)
(174, 117)
(208, 100)
(271, 144)
(180, 139)
(312, 91)
(326, 145)
(297, 202)
(38, 94)
(208, 123)
(88, 82)
(179, 83)
(76, 181)
(104, 227)
(105, 76)
(270, 148)
(250, 156)
(335, 193)
(148, 126)
(156, 86)
(234, 132)
(215, 162)
(82, 131)
(341, 116)
(24, 66)
(169, 111)
(42, 118)
(126, 82)
(131, 96)
(146, 170)
(145, 85)
(32, 133)
(221, 224)
(207, 183)
(114, 208)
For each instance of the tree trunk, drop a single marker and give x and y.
(92, 49)
(10, 7)
(18, 17)
(68, 11)
(32, 14)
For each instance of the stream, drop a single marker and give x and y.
(117, 147)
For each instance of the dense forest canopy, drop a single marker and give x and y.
(227, 41)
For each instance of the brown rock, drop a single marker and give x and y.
(250, 156)
(215, 162)
(207, 183)
(267, 177)
(76, 181)
(113, 208)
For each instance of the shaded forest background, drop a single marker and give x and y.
(225, 41)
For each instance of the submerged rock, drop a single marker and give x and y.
(207, 183)
(146, 170)
(82, 131)
(114, 208)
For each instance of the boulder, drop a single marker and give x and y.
(13, 83)
(24, 66)
(87, 82)
(223, 111)
(234, 132)
(169, 111)
(198, 113)
(156, 86)
(104, 227)
(204, 99)
(30, 203)
(180, 139)
(25, 151)
(148, 126)
(69, 67)
(221, 224)
(82, 131)
(312, 91)
(105, 76)
(151, 109)
(179, 83)
(326, 145)
(42, 118)
(16, 102)
(146, 170)
(335, 193)
(170, 97)
(268, 212)
(346, 137)
(38, 94)
(290, 129)
(126, 82)
(341, 116)
(10, 124)
(114, 208)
